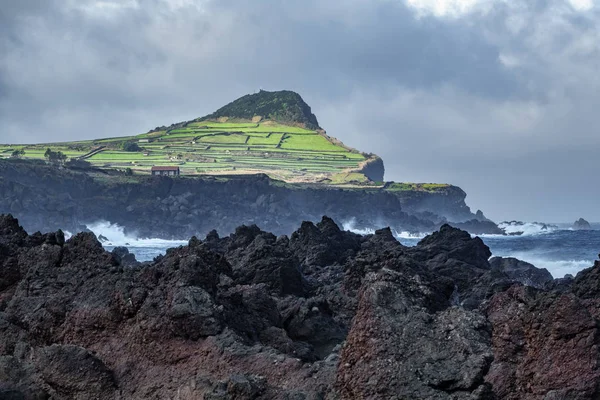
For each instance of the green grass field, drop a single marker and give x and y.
(224, 125)
(310, 142)
(418, 187)
(233, 138)
(262, 139)
(285, 152)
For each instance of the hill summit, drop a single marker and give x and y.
(282, 106)
(273, 133)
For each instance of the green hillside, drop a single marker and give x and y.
(285, 143)
(283, 106)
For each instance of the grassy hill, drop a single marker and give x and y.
(284, 106)
(267, 132)
(284, 152)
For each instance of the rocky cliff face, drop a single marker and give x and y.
(322, 314)
(47, 198)
(374, 169)
(452, 200)
(581, 225)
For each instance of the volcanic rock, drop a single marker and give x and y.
(545, 346)
(73, 372)
(522, 272)
(407, 342)
(581, 225)
(324, 314)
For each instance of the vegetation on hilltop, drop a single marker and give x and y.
(417, 187)
(130, 146)
(283, 106)
(55, 156)
(18, 153)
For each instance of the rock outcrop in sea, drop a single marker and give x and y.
(321, 314)
(581, 225)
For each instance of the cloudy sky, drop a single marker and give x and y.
(500, 97)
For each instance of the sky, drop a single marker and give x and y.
(499, 97)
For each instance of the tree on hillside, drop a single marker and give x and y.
(130, 146)
(55, 156)
(18, 153)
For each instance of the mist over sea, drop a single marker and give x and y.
(555, 247)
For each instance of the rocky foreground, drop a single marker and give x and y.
(323, 314)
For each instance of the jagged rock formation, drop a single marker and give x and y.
(373, 169)
(323, 314)
(581, 225)
(523, 272)
(479, 225)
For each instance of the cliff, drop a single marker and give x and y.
(373, 169)
(48, 198)
(321, 314)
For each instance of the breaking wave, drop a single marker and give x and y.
(526, 228)
(351, 226)
(560, 251)
(115, 236)
(145, 249)
(558, 268)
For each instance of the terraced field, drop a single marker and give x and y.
(284, 152)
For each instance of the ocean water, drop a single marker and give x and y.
(144, 249)
(557, 248)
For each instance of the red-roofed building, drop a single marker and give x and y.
(166, 171)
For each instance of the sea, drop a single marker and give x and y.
(556, 247)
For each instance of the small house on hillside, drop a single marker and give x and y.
(166, 171)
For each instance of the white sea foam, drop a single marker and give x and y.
(558, 268)
(351, 226)
(147, 248)
(527, 228)
(410, 235)
(116, 236)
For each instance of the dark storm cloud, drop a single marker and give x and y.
(74, 60)
(488, 99)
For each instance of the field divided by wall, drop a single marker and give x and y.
(284, 152)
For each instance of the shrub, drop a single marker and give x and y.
(55, 156)
(18, 153)
(130, 146)
(78, 164)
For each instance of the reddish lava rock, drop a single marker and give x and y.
(324, 314)
(545, 346)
